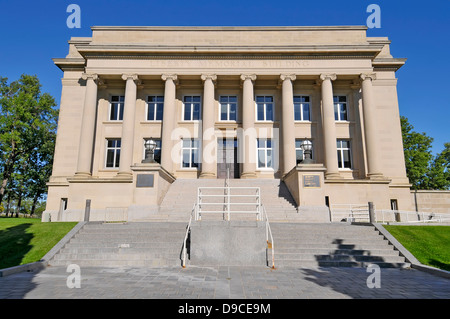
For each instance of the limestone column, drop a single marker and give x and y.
(209, 157)
(87, 126)
(169, 117)
(329, 126)
(372, 147)
(127, 141)
(287, 125)
(248, 123)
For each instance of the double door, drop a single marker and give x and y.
(227, 158)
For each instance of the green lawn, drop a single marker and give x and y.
(429, 244)
(26, 240)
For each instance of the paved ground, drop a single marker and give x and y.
(224, 283)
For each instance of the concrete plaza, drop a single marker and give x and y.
(224, 283)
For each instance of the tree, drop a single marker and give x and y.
(439, 173)
(417, 151)
(424, 170)
(27, 133)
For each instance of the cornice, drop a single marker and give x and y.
(228, 28)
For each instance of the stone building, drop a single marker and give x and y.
(227, 100)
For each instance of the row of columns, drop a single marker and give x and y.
(208, 120)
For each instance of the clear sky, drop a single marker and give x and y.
(34, 32)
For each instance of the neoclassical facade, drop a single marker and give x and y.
(228, 100)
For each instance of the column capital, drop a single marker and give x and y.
(172, 77)
(91, 76)
(127, 76)
(368, 76)
(248, 76)
(328, 76)
(291, 77)
(212, 77)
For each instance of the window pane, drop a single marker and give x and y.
(299, 155)
(261, 158)
(160, 98)
(113, 113)
(345, 144)
(260, 109)
(347, 162)
(188, 99)
(196, 99)
(339, 158)
(260, 99)
(194, 161)
(342, 99)
(268, 99)
(186, 154)
(151, 112)
(118, 143)
(233, 112)
(298, 143)
(159, 111)
(195, 143)
(121, 112)
(269, 158)
(117, 157)
(196, 114)
(343, 111)
(297, 113)
(186, 143)
(187, 111)
(232, 99)
(269, 143)
(223, 112)
(269, 112)
(110, 158)
(306, 116)
(336, 113)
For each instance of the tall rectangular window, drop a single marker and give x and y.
(228, 108)
(155, 105)
(302, 108)
(265, 153)
(157, 151)
(344, 154)
(340, 108)
(192, 106)
(116, 108)
(264, 108)
(190, 153)
(113, 152)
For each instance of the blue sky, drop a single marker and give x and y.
(34, 32)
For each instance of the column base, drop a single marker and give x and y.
(207, 175)
(248, 175)
(332, 176)
(124, 175)
(376, 176)
(82, 175)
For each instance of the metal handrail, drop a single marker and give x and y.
(227, 201)
(418, 217)
(193, 212)
(269, 233)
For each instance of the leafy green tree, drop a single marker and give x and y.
(27, 132)
(439, 172)
(424, 170)
(417, 151)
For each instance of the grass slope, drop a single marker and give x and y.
(26, 240)
(429, 244)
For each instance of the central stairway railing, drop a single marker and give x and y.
(226, 203)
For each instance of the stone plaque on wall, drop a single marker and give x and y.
(144, 180)
(311, 181)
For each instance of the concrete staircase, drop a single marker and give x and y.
(182, 195)
(331, 245)
(154, 244)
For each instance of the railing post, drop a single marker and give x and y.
(371, 213)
